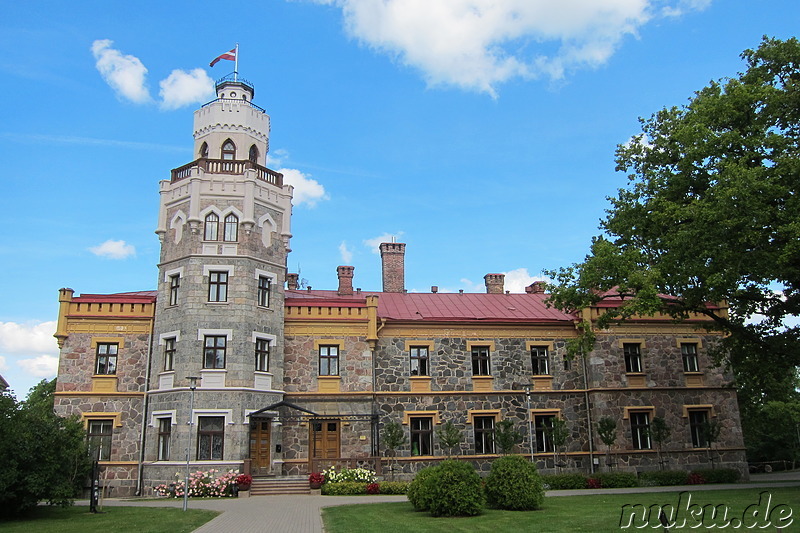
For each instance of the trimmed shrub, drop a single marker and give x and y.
(564, 481)
(663, 478)
(344, 488)
(418, 492)
(514, 484)
(394, 487)
(718, 475)
(455, 489)
(616, 480)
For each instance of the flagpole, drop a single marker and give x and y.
(236, 64)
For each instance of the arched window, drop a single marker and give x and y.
(253, 156)
(228, 150)
(204, 150)
(211, 232)
(231, 228)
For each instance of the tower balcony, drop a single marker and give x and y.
(227, 166)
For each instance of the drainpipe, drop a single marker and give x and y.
(139, 480)
(588, 411)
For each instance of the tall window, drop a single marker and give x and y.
(174, 286)
(264, 288)
(697, 423)
(106, 358)
(640, 430)
(633, 357)
(480, 361)
(99, 436)
(210, 437)
(422, 435)
(484, 434)
(211, 228)
(262, 355)
(204, 150)
(169, 354)
(214, 351)
(253, 155)
(231, 232)
(539, 360)
(419, 360)
(543, 424)
(689, 356)
(164, 433)
(328, 360)
(228, 150)
(217, 286)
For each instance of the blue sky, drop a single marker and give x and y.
(481, 135)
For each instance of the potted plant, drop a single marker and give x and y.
(243, 481)
(316, 479)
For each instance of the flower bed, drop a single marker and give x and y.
(210, 484)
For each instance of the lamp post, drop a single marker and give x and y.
(528, 388)
(192, 387)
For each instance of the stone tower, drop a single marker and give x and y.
(224, 227)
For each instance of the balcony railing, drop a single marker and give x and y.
(227, 166)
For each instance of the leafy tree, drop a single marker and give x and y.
(42, 456)
(393, 437)
(449, 436)
(607, 430)
(710, 215)
(660, 432)
(710, 431)
(506, 436)
(557, 432)
(774, 433)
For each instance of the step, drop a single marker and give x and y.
(266, 487)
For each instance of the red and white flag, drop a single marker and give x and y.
(230, 56)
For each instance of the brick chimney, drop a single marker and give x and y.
(494, 283)
(393, 260)
(291, 281)
(537, 287)
(345, 274)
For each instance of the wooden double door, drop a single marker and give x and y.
(325, 439)
(260, 446)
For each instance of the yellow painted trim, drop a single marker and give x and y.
(93, 393)
(329, 384)
(104, 383)
(529, 345)
(481, 344)
(420, 383)
(640, 342)
(408, 415)
(637, 409)
(482, 383)
(690, 340)
(110, 340)
(699, 407)
(636, 379)
(542, 382)
(546, 412)
(694, 379)
(116, 417)
(472, 413)
(420, 344)
(328, 342)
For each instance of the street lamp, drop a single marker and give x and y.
(192, 387)
(528, 388)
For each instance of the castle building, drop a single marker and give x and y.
(230, 361)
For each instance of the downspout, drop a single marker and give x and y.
(139, 480)
(587, 317)
(372, 340)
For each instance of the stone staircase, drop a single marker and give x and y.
(269, 486)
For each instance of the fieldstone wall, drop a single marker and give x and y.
(78, 360)
(301, 363)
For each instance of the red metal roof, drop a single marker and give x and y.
(119, 297)
(444, 306)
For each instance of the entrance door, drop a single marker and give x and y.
(260, 446)
(325, 436)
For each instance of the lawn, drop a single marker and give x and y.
(117, 519)
(595, 513)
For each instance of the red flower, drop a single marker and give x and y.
(373, 488)
(317, 478)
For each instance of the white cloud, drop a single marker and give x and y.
(27, 339)
(517, 280)
(44, 366)
(3, 365)
(478, 44)
(306, 190)
(112, 249)
(375, 242)
(124, 73)
(276, 157)
(183, 88)
(347, 254)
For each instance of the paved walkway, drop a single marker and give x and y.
(301, 514)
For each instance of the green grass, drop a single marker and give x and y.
(117, 519)
(595, 513)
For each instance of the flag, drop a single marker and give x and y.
(230, 56)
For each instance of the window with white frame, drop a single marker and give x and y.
(211, 227)
(214, 348)
(633, 357)
(539, 360)
(106, 362)
(217, 286)
(484, 434)
(264, 289)
(640, 430)
(99, 434)
(689, 356)
(164, 436)
(262, 355)
(169, 354)
(210, 438)
(231, 228)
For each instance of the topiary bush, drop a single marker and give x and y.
(344, 488)
(394, 487)
(453, 489)
(514, 484)
(616, 480)
(718, 475)
(663, 478)
(564, 481)
(418, 491)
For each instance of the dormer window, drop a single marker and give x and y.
(204, 150)
(228, 150)
(211, 231)
(231, 233)
(253, 156)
